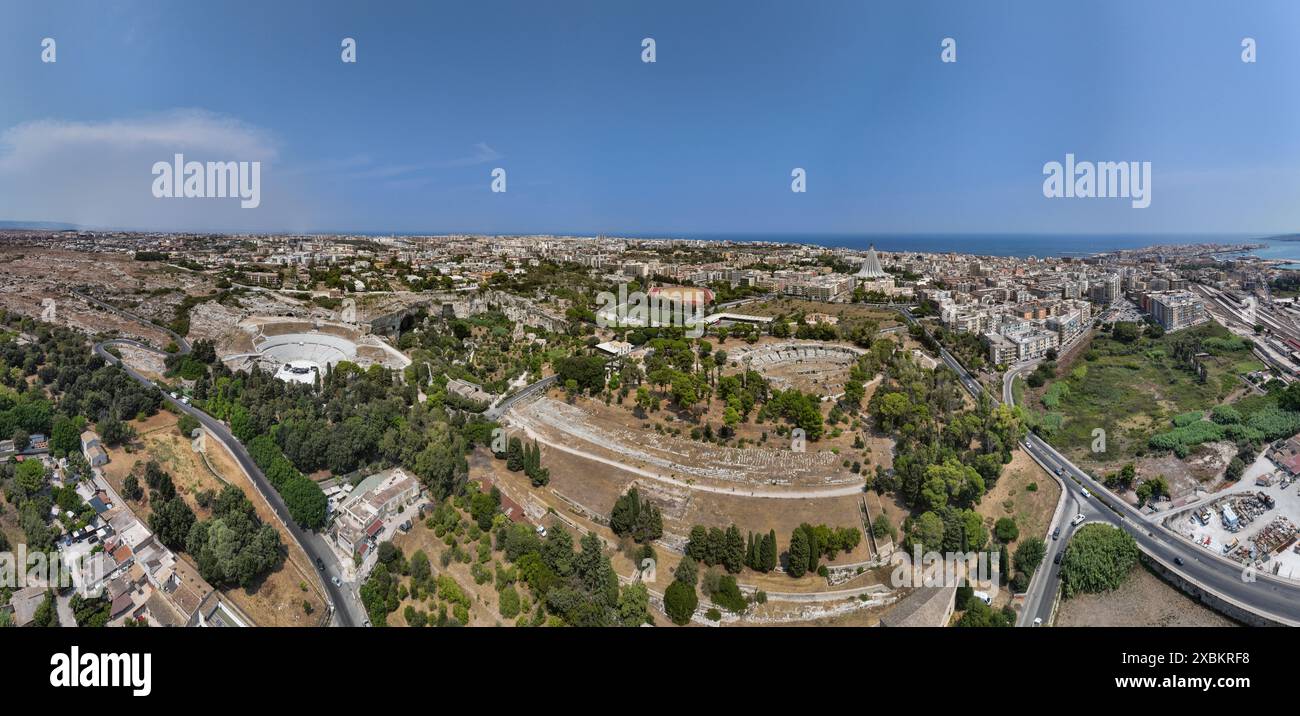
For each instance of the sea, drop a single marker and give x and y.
(1024, 245)
(1017, 245)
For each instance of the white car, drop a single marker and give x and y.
(1078, 519)
(1086, 494)
(1038, 621)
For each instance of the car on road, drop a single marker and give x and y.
(1038, 621)
(1057, 558)
(1056, 533)
(335, 579)
(1085, 492)
(1178, 561)
(320, 564)
(1078, 519)
(1058, 472)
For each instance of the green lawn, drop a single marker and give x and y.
(1133, 390)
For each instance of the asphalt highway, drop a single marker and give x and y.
(1271, 597)
(344, 603)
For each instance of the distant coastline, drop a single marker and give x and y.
(1280, 247)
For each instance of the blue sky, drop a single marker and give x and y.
(702, 141)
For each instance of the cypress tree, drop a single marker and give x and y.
(734, 554)
(769, 552)
(798, 564)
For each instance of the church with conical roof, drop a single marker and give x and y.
(871, 268)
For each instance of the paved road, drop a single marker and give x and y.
(183, 344)
(496, 412)
(1271, 597)
(344, 601)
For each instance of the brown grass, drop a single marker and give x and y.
(277, 598)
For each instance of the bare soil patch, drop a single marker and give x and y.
(1142, 600)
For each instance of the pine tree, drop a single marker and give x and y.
(751, 554)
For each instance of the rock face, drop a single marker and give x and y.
(463, 305)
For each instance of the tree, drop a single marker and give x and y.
(1098, 558)
(131, 489)
(733, 556)
(65, 437)
(508, 605)
(172, 522)
(641, 520)
(115, 432)
(515, 455)
(1029, 554)
(1006, 529)
(29, 477)
(687, 571)
(483, 507)
(697, 543)
(680, 602)
(419, 567)
(47, 614)
(797, 563)
(634, 605)
(979, 614)
(768, 552)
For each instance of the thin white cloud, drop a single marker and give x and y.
(482, 154)
(99, 173)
